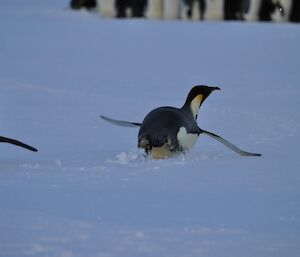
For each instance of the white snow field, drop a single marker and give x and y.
(89, 191)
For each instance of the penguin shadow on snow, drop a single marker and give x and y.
(169, 131)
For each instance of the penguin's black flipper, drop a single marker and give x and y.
(18, 143)
(121, 122)
(228, 144)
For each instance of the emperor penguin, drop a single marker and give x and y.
(17, 143)
(167, 131)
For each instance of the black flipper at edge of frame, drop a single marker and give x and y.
(17, 143)
(121, 122)
(229, 145)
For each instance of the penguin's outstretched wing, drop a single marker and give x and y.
(228, 144)
(121, 122)
(18, 143)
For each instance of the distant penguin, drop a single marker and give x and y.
(136, 8)
(295, 11)
(167, 131)
(78, 4)
(195, 9)
(233, 9)
(267, 8)
(17, 143)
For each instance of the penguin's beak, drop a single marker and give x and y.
(216, 88)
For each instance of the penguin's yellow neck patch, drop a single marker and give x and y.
(195, 104)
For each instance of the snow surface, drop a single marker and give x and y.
(89, 191)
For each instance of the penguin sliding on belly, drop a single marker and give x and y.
(166, 131)
(17, 143)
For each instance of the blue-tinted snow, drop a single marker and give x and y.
(90, 192)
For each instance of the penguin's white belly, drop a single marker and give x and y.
(186, 140)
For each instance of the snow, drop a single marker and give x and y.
(90, 192)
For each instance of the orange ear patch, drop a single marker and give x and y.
(195, 104)
(199, 98)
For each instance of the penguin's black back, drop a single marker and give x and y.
(164, 123)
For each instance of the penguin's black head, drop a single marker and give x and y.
(196, 97)
(200, 91)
